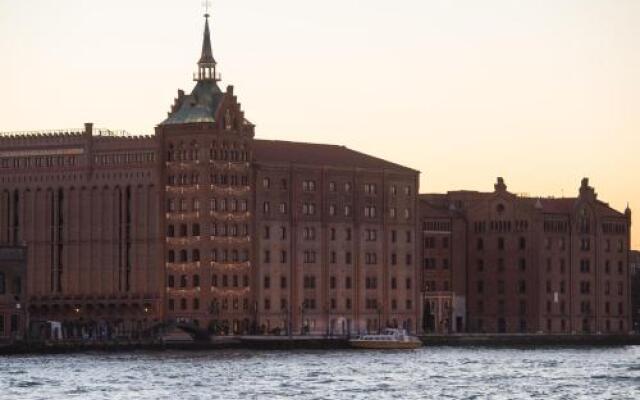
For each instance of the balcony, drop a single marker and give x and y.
(184, 291)
(183, 241)
(230, 215)
(230, 190)
(181, 189)
(230, 165)
(183, 266)
(181, 164)
(180, 216)
(230, 291)
(231, 239)
(231, 265)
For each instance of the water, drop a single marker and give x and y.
(428, 373)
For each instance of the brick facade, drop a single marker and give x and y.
(203, 224)
(527, 264)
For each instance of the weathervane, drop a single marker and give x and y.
(206, 4)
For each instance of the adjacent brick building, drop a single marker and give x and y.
(86, 204)
(498, 262)
(205, 225)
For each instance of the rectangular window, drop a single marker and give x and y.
(309, 257)
(522, 263)
(522, 287)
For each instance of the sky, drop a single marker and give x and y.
(540, 92)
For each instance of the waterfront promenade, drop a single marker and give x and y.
(314, 343)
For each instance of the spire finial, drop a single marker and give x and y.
(207, 64)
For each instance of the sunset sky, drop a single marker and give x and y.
(540, 92)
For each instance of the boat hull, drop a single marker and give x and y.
(385, 344)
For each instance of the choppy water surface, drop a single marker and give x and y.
(428, 373)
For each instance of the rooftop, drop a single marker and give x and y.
(278, 151)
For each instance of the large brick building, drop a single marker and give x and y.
(498, 262)
(203, 224)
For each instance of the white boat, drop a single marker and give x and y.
(389, 339)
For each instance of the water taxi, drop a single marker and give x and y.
(390, 339)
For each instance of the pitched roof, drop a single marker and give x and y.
(199, 106)
(563, 205)
(567, 205)
(278, 151)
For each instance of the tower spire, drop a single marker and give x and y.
(207, 64)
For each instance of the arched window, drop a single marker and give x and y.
(2, 283)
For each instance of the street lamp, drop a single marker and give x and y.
(327, 310)
(425, 311)
(255, 315)
(214, 311)
(379, 319)
(302, 307)
(286, 319)
(18, 308)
